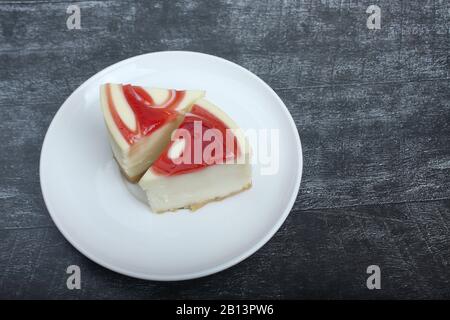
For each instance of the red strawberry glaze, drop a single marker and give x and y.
(166, 166)
(149, 116)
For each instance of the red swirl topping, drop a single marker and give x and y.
(207, 141)
(149, 116)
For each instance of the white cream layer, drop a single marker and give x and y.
(136, 158)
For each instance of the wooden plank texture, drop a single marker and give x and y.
(372, 108)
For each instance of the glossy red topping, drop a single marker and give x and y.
(193, 157)
(149, 116)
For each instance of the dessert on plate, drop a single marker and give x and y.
(207, 159)
(183, 150)
(140, 121)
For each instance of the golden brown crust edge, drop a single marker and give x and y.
(195, 206)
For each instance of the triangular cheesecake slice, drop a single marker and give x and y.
(140, 121)
(207, 159)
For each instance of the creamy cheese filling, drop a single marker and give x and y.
(144, 152)
(135, 158)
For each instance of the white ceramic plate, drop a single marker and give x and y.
(100, 213)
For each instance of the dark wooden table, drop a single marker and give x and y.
(372, 108)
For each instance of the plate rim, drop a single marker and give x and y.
(193, 275)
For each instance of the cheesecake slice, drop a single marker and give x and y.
(207, 159)
(140, 121)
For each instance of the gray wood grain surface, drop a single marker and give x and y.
(372, 108)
